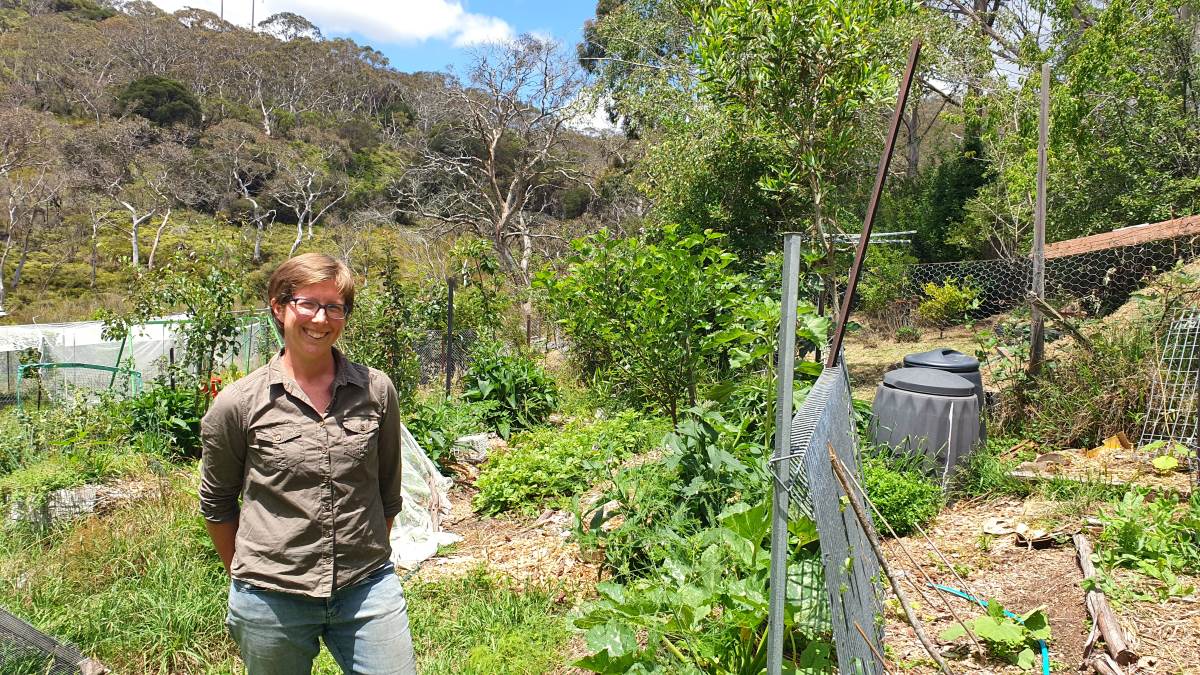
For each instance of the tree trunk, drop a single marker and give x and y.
(157, 238)
(258, 235)
(914, 139)
(299, 238)
(95, 250)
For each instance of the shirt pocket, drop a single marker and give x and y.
(279, 444)
(362, 435)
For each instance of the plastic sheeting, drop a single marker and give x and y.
(417, 531)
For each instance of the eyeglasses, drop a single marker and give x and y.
(307, 307)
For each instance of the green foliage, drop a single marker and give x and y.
(1011, 638)
(714, 460)
(554, 464)
(886, 280)
(207, 295)
(155, 588)
(908, 334)
(437, 422)
(902, 493)
(1159, 538)
(383, 329)
(949, 303)
(161, 100)
(524, 394)
(171, 413)
(705, 606)
(984, 473)
(811, 107)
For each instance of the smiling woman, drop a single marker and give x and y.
(311, 442)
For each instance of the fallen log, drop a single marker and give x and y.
(1102, 614)
(1103, 664)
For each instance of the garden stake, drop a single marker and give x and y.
(928, 580)
(839, 472)
(882, 661)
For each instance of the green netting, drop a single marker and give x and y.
(65, 382)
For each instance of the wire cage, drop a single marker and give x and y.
(1173, 410)
(24, 650)
(77, 382)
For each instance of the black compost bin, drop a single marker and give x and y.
(927, 412)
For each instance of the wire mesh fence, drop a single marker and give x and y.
(24, 650)
(1173, 412)
(1093, 283)
(76, 382)
(434, 358)
(849, 603)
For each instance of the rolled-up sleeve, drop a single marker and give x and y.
(223, 458)
(390, 462)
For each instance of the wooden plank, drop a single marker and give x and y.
(1037, 329)
(1126, 236)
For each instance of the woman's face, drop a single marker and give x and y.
(310, 336)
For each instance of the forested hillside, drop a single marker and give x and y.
(133, 138)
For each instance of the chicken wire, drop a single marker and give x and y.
(1171, 415)
(24, 650)
(1093, 283)
(851, 601)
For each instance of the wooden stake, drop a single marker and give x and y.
(839, 472)
(882, 661)
(1037, 330)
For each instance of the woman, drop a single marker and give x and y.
(311, 443)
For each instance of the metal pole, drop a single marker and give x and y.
(1037, 330)
(171, 368)
(835, 347)
(786, 363)
(449, 332)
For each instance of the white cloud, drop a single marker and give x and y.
(380, 21)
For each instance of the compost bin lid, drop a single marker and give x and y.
(943, 359)
(928, 381)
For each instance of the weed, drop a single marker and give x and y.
(904, 495)
(908, 334)
(985, 473)
(481, 624)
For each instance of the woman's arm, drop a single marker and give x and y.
(223, 535)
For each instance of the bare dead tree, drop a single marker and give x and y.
(494, 148)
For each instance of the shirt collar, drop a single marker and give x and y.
(344, 371)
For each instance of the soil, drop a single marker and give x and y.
(1022, 579)
(868, 357)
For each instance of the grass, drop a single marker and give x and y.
(142, 590)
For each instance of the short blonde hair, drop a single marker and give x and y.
(307, 269)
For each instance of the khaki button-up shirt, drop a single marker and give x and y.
(316, 488)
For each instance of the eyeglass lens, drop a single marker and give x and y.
(310, 307)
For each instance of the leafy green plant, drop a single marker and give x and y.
(437, 423)
(384, 328)
(1159, 538)
(524, 393)
(553, 464)
(170, 412)
(985, 473)
(948, 303)
(705, 606)
(908, 334)
(715, 460)
(1009, 637)
(903, 494)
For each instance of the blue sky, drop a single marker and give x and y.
(419, 34)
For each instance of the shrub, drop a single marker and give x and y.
(383, 330)
(908, 334)
(524, 394)
(553, 464)
(949, 303)
(904, 496)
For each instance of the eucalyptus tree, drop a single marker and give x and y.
(494, 148)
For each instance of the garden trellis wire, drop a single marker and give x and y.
(1172, 413)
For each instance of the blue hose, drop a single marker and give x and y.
(1014, 617)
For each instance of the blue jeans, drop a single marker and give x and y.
(365, 628)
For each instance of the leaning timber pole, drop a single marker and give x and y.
(835, 346)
